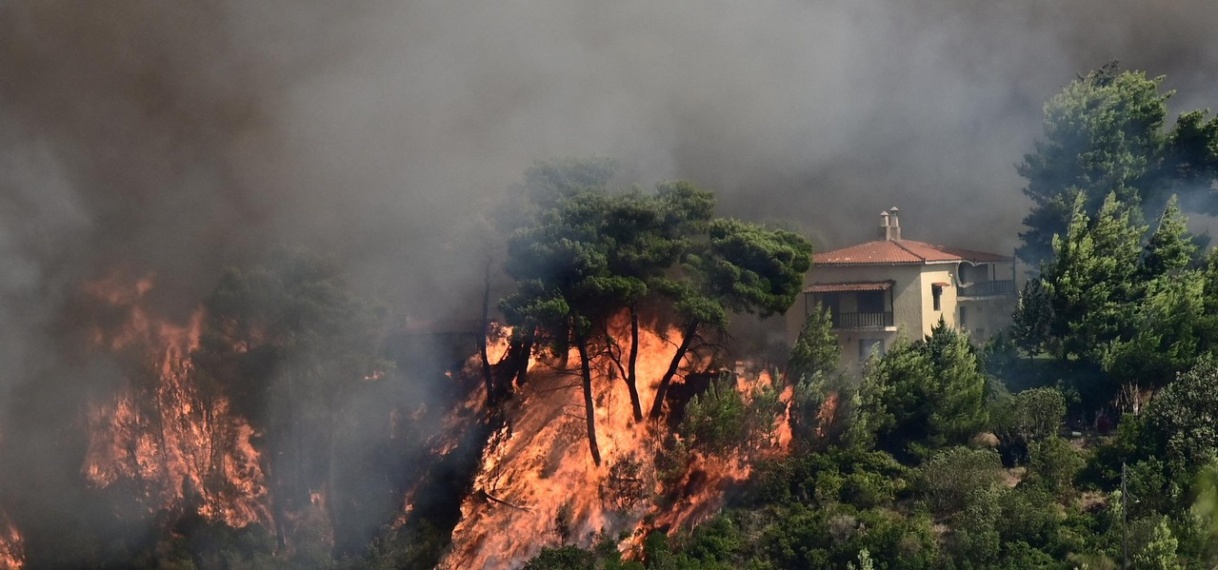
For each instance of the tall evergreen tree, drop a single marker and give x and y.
(1105, 134)
(567, 288)
(1092, 279)
(739, 268)
(1169, 332)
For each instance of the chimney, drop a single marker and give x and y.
(894, 225)
(884, 225)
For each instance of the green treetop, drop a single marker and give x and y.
(1104, 134)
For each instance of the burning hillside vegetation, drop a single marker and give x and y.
(160, 435)
(537, 485)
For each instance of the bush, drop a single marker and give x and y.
(947, 480)
(1053, 466)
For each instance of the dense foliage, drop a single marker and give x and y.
(1104, 134)
(1105, 456)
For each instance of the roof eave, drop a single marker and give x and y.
(859, 263)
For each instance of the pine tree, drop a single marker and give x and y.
(1033, 317)
(1160, 552)
(816, 349)
(1171, 247)
(922, 396)
(1092, 280)
(1103, 135)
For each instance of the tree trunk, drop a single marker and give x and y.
(487, 376)
(519, 352)
(631, 373)
(629, 376)
(581, 343)
(657, 406)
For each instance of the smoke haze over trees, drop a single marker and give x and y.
(182, 138)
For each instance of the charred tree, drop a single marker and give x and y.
(628, 370)
(488, 376)
(632, 370)
(519, 353)
(581, 344)
(657, 405)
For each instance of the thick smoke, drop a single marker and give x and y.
(172, 139)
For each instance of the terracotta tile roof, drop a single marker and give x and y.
(905, 251)
(851, 286)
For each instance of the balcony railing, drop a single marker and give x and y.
(862, 320)
(988, 289)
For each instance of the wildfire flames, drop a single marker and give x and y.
(11, 552)
(177, 446)
(538, 485)
(181, 448)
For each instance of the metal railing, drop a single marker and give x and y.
(988, 289)
(862, 320)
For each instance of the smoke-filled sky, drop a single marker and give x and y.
(174, 138)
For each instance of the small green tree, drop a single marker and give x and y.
(1033, 318)
(722, 418)
(959, 411)
(865, 562)
(816, 349)
(1032, 415)
(1160, 552)
(1181, 421)
(812, 369)
(923, 396)
(1053, 466)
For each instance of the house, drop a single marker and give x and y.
(882, 289)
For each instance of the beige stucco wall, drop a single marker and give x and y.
(931, 274)
(987, 316)
(912, 304)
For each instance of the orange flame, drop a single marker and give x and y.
(538, 486)
(826, 414)
(180, 446)
(12, 553)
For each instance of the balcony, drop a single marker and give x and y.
(863, 321)
(1004, 288)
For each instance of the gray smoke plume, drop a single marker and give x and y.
(175, 138)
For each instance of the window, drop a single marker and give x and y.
(870, 346)
(936, 292)
(870, 301)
